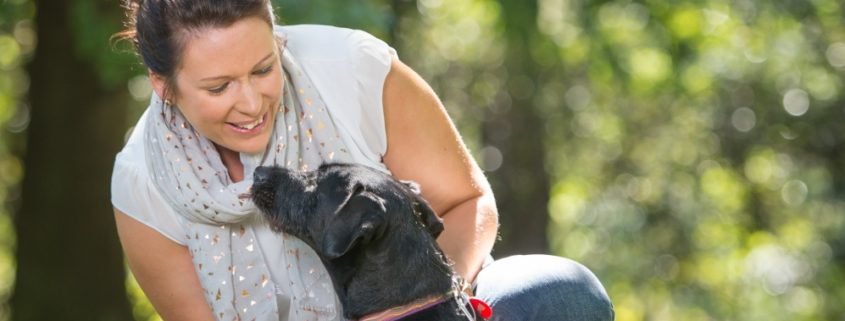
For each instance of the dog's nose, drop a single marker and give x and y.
(261, 175)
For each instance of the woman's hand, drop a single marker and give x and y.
(424, 146)
(164, 270)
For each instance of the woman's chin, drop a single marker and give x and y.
(256, 147)
(253, 145)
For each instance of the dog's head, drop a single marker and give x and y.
(340, 207)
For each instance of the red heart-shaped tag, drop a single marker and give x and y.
(481, 307)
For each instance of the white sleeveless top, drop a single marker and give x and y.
(348, 67)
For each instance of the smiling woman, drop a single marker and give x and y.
(234, 92)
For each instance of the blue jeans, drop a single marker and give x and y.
(542, 288)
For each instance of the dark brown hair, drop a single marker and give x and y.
(158, 28)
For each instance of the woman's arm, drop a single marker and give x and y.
(424, 146)
(164, 270)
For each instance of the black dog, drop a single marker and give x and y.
(375, 235)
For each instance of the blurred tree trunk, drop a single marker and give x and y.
(69, 262)
(515, 127)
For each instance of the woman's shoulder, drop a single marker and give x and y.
(133, 193)
(130, 174)
(312, 30)
(348, 67)
(325, 42)
(132, 154)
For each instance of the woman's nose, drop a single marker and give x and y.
(250, 100)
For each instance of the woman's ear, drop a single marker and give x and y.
(159, 85)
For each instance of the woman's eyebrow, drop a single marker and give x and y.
(227, 77)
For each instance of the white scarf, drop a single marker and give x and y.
(189, 173)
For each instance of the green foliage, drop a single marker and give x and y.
(373, 16)
(142, 309)
(699, 167)
(94, 23)
(17, 41)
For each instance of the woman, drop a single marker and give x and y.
(231, 92)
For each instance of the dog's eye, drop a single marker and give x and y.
(358, 189)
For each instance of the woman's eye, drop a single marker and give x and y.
(218, 89)
(264, 71)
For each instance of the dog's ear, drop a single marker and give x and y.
(358, 221)
(431, 221)
(424, 212)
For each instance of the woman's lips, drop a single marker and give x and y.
(250, 127)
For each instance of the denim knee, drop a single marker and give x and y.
(542, 287)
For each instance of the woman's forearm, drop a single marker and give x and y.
(470, 231)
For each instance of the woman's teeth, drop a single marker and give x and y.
(252, 125)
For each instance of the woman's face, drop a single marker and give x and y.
(229, 84)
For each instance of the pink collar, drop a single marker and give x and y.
(402, 311)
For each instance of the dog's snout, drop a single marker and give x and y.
(261, 175)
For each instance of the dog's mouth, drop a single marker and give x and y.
(262, 191)
(261, 197)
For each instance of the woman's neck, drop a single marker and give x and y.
(232, 160)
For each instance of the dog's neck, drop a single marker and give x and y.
(387, 283)
(454, 305)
